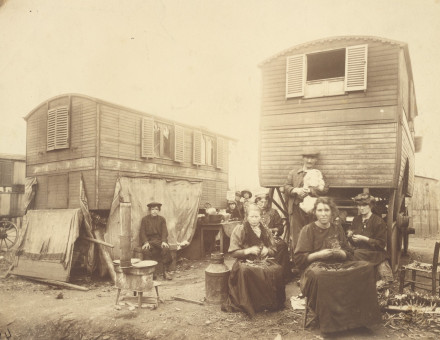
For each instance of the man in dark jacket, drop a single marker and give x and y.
(153, 237)
(295, 192)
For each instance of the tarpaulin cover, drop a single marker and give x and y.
(180, 199)
(46, 247)
(29, 192)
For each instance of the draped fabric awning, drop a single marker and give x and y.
(180, 199)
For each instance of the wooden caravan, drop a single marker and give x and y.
(353, 98)
(73, 135)
(12, 180)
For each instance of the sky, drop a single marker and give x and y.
(196, 61)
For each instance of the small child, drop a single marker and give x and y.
(312, 179)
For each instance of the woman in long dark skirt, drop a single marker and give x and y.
(342, 293)
(368, 234)
(256, 282)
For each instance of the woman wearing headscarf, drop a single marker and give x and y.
(256, 282)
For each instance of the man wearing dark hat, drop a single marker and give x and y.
(295, 193)
(153, 237)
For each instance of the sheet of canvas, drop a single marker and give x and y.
(46, 246)
(180, 199)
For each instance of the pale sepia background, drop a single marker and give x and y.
(196, 61)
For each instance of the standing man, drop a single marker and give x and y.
(295, 192)
(153, 237)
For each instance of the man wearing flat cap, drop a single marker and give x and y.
(295, 192)
(153, 237)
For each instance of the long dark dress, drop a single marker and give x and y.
(341, 293)
(254, 286)
(271, 219)
(376, 230)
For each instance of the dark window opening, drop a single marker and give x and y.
(162, 140)
(326, 65)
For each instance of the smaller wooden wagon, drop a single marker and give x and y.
(12, 177)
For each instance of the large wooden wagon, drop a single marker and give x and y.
(12, 178)
(353, 98)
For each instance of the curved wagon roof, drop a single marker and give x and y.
(367, 38)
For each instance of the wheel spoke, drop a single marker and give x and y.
(11, 232)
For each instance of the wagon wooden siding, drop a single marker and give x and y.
(407, 104)
(359, 133)
(344, 151)
(105, 142)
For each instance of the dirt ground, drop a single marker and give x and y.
(31, 310)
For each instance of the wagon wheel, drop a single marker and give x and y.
(8, 235)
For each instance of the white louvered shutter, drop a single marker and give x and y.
(356, 68)
(295, 75)
(179, 143)
(51, 128)
(220, 159)
(197, 147)
(62, 128)
(147, 143)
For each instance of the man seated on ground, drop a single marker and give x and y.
(153, 237)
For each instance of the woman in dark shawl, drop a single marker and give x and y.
(368, 234)
(256, 282)
(340, 292)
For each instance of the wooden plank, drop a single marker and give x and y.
(41, 269)
(57, 283)
(93, 240)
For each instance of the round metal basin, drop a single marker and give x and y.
(138, 277)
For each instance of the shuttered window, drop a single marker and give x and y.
(147, 143)
(327, 73)
(356, 68)
(221, 150)
(197, 147)
(295, 75)
(58, 128)
(179, 143)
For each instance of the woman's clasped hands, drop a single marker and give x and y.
(257, 251)
(331, 253)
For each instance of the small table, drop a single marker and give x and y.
(224, 228)
(212, 227)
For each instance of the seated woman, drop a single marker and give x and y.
(368, 234)
(271, 219)
(255, 283)
(236, 214)
(341, 293)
